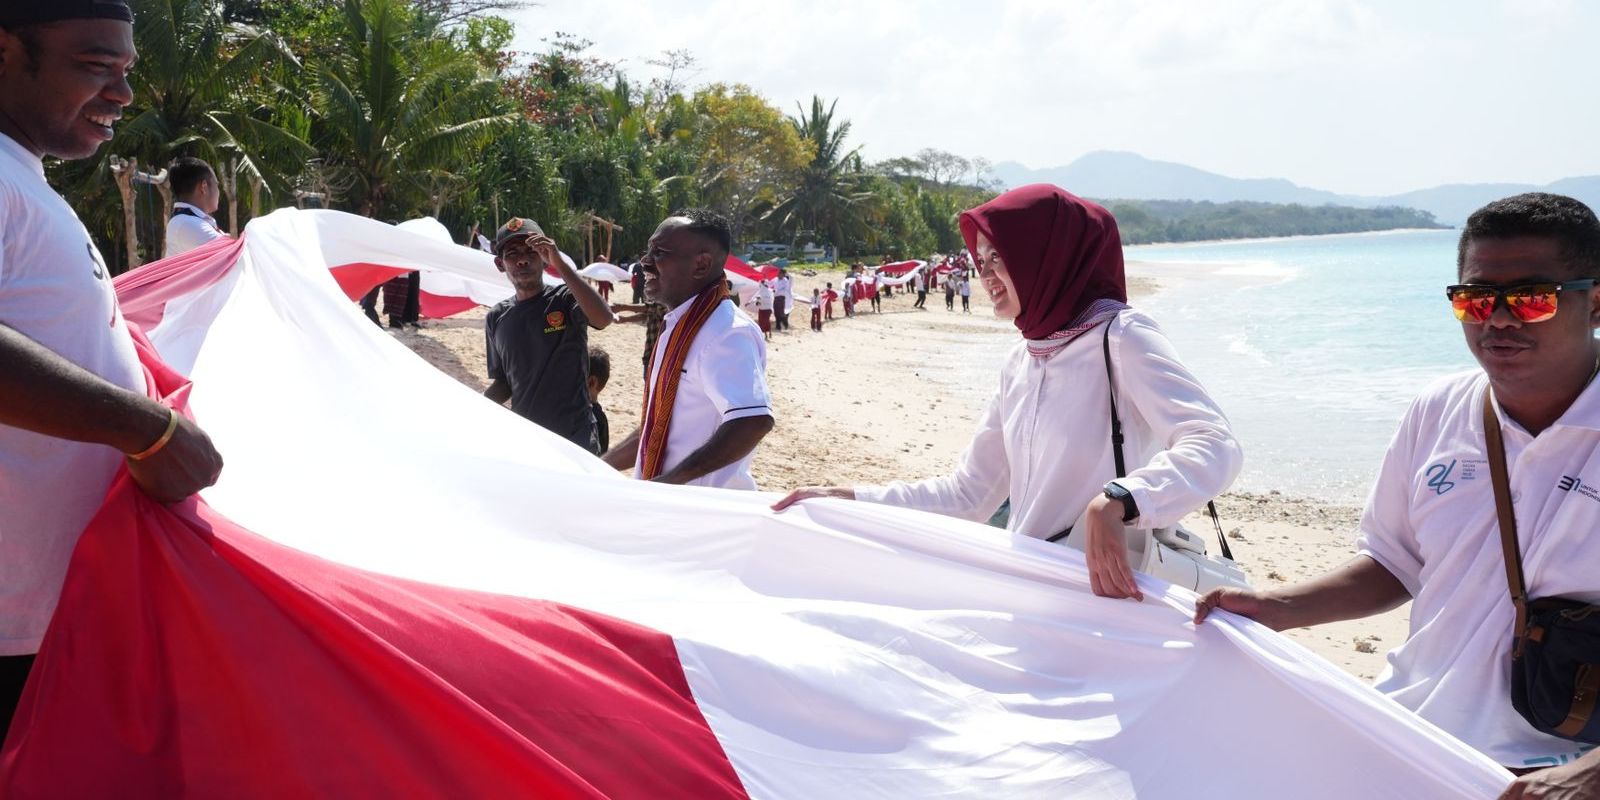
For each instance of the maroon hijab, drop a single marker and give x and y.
(1063, 253)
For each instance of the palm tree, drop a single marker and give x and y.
(202, 88)
(830, 198)
(399, 108)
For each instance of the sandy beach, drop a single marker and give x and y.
(897, 395)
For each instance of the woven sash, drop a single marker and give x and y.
(663, 390)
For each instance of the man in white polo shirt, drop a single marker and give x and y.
(706, 403)
(1526, 296)
(72, 398)
(198, 195)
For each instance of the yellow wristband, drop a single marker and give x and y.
(166, 436)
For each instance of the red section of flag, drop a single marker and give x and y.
(898, 268)
(737, 266)
(143, 292)
(355, 280)
(190, 657)
(438, 306)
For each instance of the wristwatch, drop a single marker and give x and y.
(1130, 510)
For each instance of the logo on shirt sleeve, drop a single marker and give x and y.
(555, 321)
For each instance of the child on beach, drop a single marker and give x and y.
(1052, 263)
(966, 296)
(599, 376)
(816, 310)
(764, 310)
(827, 302)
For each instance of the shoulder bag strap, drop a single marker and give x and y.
(1508, 518)
(1117, 439)
(1111, 392)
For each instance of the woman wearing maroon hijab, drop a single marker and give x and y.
(1052, 263)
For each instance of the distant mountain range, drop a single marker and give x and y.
(1115, 175)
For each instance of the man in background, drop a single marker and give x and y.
(198, 194)
(782, 299)
(538, 339)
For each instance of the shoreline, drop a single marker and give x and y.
(896, 396)
(1260, 239)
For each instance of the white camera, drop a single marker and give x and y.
(1175, 555)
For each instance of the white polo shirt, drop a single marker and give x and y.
(1431, 521)
(724, 378)
(56, 290)
(1045, 438)
(185, 231)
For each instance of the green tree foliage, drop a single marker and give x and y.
(749, 153)
(829, 200)
(1144, 221)
(400, 109)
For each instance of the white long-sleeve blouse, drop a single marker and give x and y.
(1045, 438)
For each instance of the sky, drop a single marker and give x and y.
(1356, 97)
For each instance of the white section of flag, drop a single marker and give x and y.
(838, 650)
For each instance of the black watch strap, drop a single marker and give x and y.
(1130, 509)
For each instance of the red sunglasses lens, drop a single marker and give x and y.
(1532, 305)
(1472, 305)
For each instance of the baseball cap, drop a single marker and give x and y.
(30, 12)
(514, 228)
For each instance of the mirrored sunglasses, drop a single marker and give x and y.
(1527, 302)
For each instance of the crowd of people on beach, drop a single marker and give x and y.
(1481, 516)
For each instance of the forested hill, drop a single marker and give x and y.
(1147, 221)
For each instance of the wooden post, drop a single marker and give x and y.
(230, 184)
(255, 196)
(123, 172)
(165, 188)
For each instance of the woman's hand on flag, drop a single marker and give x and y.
(810, 492)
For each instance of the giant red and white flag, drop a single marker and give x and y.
(399, 589)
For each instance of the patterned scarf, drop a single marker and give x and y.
(663, 392)
(1099, 311)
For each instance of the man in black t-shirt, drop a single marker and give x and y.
(538, 341)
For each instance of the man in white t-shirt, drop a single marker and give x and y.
(782, 299)
(72, 394)
(709, 366)
(1526, 296)
(198, 194)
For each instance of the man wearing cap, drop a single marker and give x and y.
(538, 340)
(72, 402)
(706, 405)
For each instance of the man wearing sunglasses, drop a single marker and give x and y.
(1526, 300)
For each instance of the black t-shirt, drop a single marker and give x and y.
(602, 427)
(540, 346)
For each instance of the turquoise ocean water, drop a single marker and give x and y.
(1313, 346)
